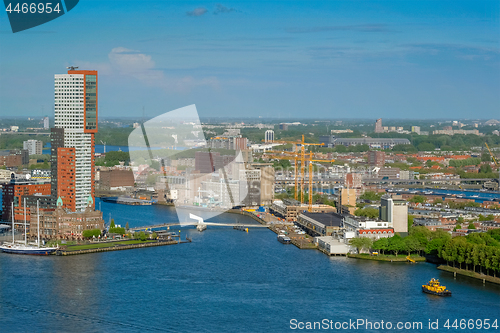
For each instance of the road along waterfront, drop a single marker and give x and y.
(224, 281)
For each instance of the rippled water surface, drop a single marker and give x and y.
(224, 281)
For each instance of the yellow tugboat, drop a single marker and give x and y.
(433, 287)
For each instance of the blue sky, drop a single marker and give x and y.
(288, 59)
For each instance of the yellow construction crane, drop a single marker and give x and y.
(492, 157)
(302, 159)
(296, 157)
(302, 144)
(295, 149)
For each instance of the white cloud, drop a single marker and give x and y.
(126, 62)
(133, 63)
(197, 11)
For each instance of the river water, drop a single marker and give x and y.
(224, 281)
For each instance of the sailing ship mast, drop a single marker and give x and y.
(25, 229)
(38, 218)
(12, 209)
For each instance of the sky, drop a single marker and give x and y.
(281, 59)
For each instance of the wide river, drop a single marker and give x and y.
(225, 281)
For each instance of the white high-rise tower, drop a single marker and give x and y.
(72, 139)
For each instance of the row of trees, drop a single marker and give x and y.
(474, 252)
(468, 161)
(113, 158)
(479, 252)
(369, 212)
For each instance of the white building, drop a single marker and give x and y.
(394, 210)
(269, 136)
(75, 108)
(34, 147)
(46, 122)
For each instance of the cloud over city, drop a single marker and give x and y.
(197, 11)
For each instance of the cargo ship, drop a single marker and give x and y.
(433, 287)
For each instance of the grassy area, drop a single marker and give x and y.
(106, 244)
(469, 274)
(388, 257)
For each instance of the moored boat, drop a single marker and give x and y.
(284, 239)
(27, 249)
(16, 248)
(435, 288)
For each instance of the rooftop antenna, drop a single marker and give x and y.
(71, 68)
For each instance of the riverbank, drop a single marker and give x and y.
(470, 274)
(390, 258)
(113, 246)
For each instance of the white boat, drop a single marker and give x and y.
(27, 249)
(15, 248)
(201, 227)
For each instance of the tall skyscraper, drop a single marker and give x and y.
(46, 122)
(72, 138)
(378, 126)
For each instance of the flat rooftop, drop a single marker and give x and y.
(328, 219)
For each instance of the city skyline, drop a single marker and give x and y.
(319, 59)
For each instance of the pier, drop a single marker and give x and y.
(173, 224)
(118, 247)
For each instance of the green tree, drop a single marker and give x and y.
(91, 233)
(368, 212)
(426, 146)
(396, 244)
(361, 243)
(423, 235)
(341, 149)
(154, 235)
(112, 224)
(485, 157)
(410, 221)
(435, 246)
(381, 244)
(418, 199)
(411, 244)
(117, 230)
(460, 219)
(126, 226)
(370, 195)
(471, 226)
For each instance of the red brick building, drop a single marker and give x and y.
(15, 192)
